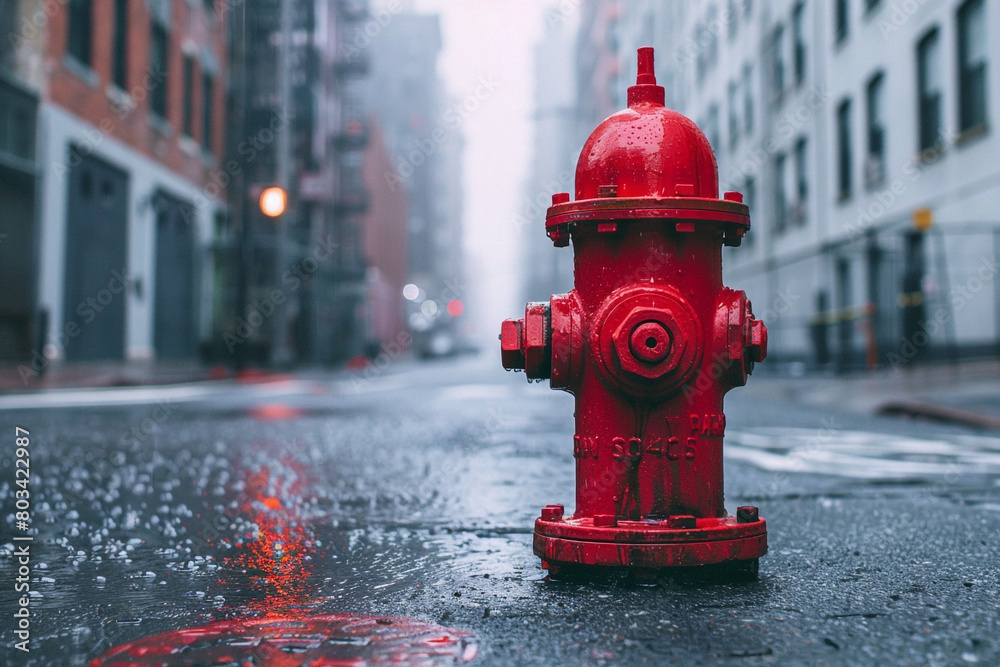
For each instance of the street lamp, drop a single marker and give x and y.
(273, 201)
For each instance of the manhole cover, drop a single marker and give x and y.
(318, 641)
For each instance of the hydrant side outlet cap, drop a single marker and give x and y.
(647, 150)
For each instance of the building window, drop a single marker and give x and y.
(711, 25)
(187, 124)
(734, 121)
(799, 46)
(875, 101)
(780, 192)
(78, 44)
(844, 150)
(119, 65)
(207, 110)
(159, 40)
(841, 20)
(712, 126)
(750, 199)
(778, 61)
(871, 5)
(731, 18)
(747, 99)
(801, 181)
(972, 42)
(700, 59)
(929, 90)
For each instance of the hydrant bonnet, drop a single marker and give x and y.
(647, 150)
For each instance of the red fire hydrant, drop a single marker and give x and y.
(649, 341)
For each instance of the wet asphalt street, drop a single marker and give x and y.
(411, 493)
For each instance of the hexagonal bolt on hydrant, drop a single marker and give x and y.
(649, 341)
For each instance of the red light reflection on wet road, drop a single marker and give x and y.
(279, 629)
(277, 556)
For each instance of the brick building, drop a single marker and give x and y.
(20, 84)
(385, 246)
(131, 130)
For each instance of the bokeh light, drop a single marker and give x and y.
(273, 201)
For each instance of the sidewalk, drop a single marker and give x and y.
(19, 378)
(965, 393)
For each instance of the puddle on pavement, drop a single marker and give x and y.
(142, 541)
(267, 568)
(339, 639)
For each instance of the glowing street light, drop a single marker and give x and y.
(273, 201)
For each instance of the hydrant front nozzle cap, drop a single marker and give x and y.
(645, 88)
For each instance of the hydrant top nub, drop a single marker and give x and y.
(645, 89)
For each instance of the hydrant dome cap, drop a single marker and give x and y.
(647, 150)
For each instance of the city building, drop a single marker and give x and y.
(860, 133)
(385, 242)
(576, 68)
(21, 82)
(299, 122)
(422, 134)
(125, 200)
(547, 270)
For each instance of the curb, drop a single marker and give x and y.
(938, 413)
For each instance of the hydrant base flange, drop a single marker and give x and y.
(651, 545)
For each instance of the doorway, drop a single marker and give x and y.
(95, 287)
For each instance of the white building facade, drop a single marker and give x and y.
(860, 133)
(147, 184)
